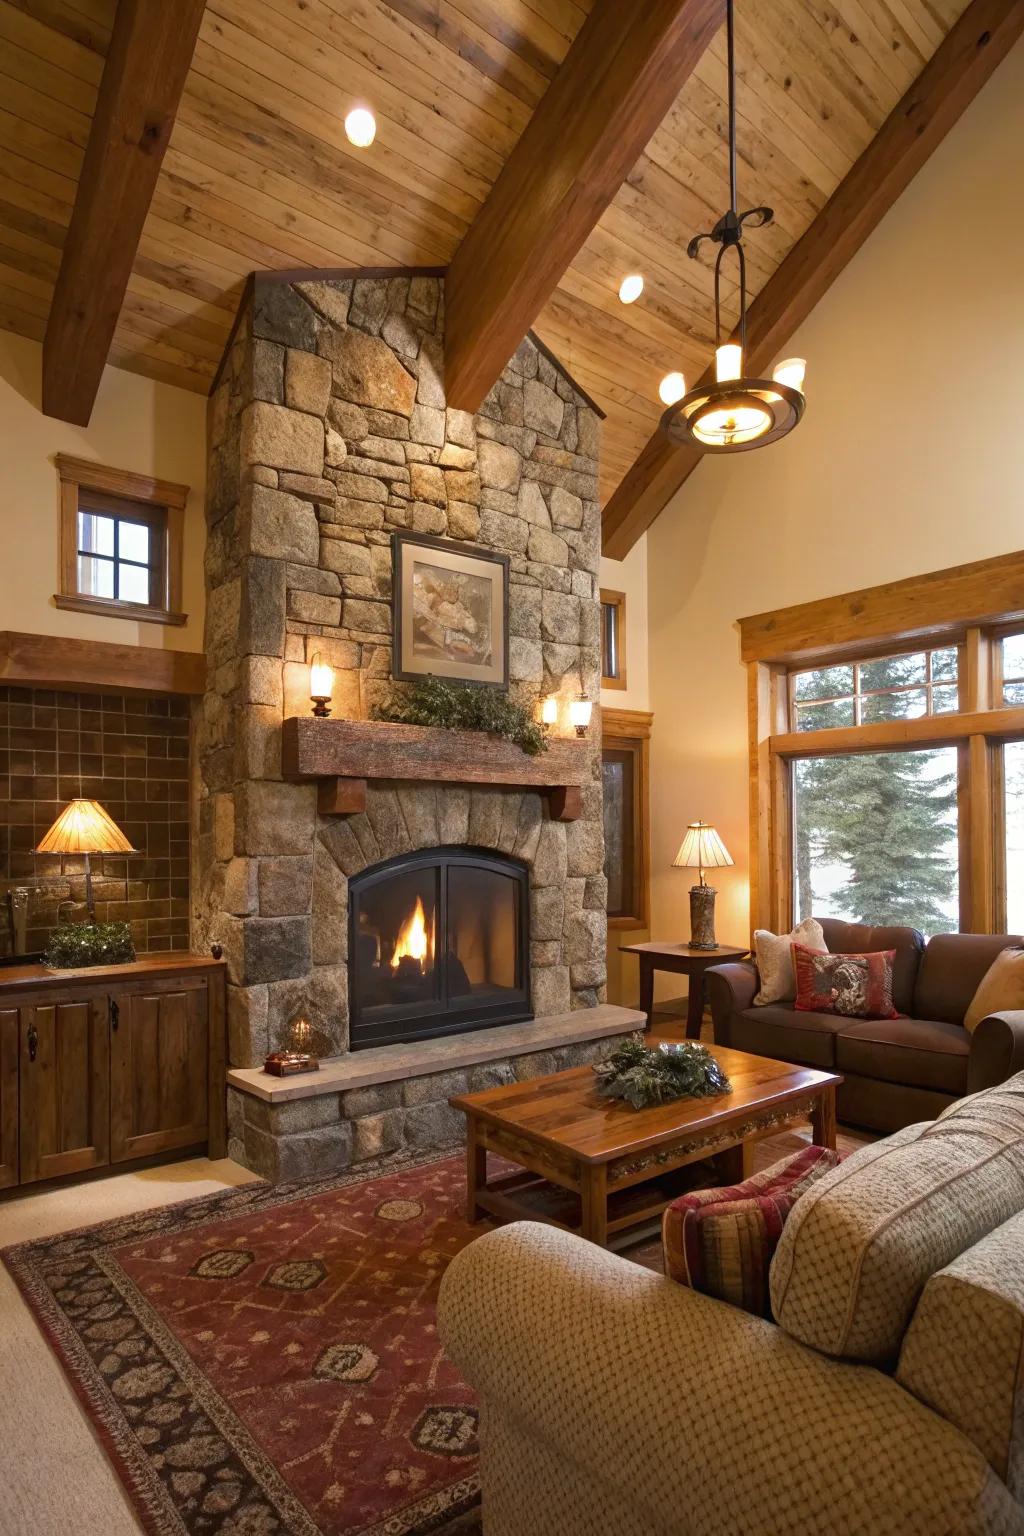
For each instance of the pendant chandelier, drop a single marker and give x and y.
(734, 413)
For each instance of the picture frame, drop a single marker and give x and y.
(450, 611)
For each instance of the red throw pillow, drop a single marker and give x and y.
(857, 986)
(722, 1241)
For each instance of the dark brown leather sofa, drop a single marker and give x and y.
(896, 1071)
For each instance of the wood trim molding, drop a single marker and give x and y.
(631, 729)
(937, 604)
(120, 482)
(52, 661)
(949, 82)
(621, 74)
(150, 52)
(887, 735)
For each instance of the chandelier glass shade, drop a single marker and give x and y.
(729, 412)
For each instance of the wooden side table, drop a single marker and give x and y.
(687, 962)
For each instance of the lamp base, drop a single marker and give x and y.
(702, 917)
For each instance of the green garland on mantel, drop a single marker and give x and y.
(458, 708)
(645, 1075)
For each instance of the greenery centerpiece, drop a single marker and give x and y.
(644, 1075)
(456, 707)
(75, 945)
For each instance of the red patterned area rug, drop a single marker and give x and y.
(264, 1362)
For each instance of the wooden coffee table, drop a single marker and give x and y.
(559, 1130)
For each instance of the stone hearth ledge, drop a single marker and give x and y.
(397, 1063)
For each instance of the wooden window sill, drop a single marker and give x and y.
(142, 613)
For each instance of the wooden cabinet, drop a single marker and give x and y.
(64, 1088)
(158, 1070)
(109, 1065)
(8, 1097)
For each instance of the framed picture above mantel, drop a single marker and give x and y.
(450, 604)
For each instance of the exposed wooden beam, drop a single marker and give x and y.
(149, 56)
(947, 85)
(616, 83)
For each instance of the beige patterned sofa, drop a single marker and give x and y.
(887, 1398)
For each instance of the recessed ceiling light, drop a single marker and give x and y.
(631, 288)
(672, 388)
(360, 127)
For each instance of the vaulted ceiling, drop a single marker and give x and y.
(259, 173)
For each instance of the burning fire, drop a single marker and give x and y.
(413, 940)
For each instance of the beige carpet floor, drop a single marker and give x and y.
(55, 1479)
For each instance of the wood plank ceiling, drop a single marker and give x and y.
(259, 173)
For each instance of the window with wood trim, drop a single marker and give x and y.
(625, 774)
(613, 639)
(120, 542)
(887, 761)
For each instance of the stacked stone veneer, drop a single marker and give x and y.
(328, 431)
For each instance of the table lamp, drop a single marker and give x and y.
(83, 827)
(702, 848)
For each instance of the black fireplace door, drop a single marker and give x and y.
(438, 944)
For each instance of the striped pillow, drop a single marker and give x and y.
(721, 1241)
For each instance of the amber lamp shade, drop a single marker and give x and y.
(84, 827)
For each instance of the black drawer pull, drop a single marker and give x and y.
(33, 1042)
(115, 1014)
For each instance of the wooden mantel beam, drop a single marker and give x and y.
(616, 83)
(947, 85)
(150, 51)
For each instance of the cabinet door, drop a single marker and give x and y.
(158, 1071)
(8, 1097)
(64, 1087)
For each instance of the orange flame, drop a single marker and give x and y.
(413, 939)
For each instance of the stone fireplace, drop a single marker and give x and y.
(443, 928)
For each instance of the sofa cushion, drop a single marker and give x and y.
(721, 1241)
(778, 1030)
(922, 1053)
(861, 938)
(859, 1247)
(951, 972)
(963, 1353)
(1001, 988)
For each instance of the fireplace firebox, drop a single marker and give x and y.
(439, 944)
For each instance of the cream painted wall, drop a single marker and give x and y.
(136, 424)
(630, 576)
(910, 458)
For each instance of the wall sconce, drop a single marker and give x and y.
(321, 686)
(549, 711)
(579, 714)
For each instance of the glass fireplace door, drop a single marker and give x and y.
(438, 944)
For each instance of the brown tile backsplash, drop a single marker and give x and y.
(132, 755)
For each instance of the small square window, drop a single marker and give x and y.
(613, 639)
(120, 543)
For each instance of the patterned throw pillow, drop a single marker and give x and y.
(721, 1241)
(858, 986)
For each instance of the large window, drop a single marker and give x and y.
(1013, 835)
(875, 838)
(1011, 669)
(902, 687)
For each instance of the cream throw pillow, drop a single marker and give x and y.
(774, 957)
(1002, 986)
